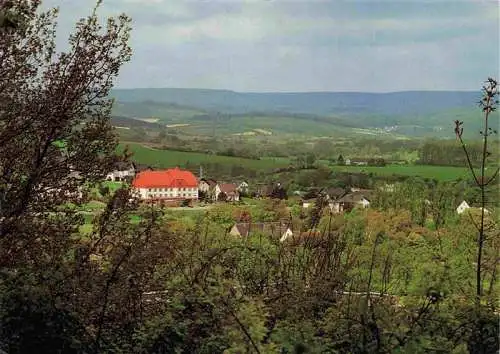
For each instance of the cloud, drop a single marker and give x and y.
(295, 45)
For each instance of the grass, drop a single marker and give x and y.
(93, 205)
(170, 158)
(265, 125)
(113, 186)
(441, 173)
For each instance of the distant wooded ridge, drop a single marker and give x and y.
(316, 103)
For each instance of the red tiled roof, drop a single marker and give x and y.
(165, 179)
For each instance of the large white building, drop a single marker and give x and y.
(169, 185)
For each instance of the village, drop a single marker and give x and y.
(178, 188)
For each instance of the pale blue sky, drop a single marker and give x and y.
(306, 45)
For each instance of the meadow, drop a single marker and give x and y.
(170, 158)
(440, 173)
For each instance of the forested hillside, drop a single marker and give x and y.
(318, 103)
(419, 113)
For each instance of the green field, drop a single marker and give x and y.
(170, 158)
(441, 173)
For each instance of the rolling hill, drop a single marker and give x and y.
(317, 103)
(420, 113)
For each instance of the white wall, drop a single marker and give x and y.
(120, 174)
(204, 187)
(288, 233)
(462, 207)
(168, 193)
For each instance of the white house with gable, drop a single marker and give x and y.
(462, 207)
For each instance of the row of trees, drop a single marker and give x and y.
(448, 153)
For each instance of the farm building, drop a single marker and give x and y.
(334, 193)
(206, 188)
(275, 229)
(463, 207)
(207, 185)
(121, 172)
(243, 187)
(349, 202)
(226, 192)
(166, 185)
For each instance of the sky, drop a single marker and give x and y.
(303, 45)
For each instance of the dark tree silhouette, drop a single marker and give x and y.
(488, 104)
(56, 141)
(55, 132)
(485, 327)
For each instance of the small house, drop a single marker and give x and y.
(226, 192)
(462, 207)
(333, 194)
(206, 185)
(206, 189)
(121, 172)
(349, 202)
(243, 187)
(279, 230)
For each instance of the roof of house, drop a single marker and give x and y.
(271, 228)
(167, 178)
(335, 193)
(354, 197)
(228, 188)
(210, 181)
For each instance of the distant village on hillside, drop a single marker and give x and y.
(181, 188)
